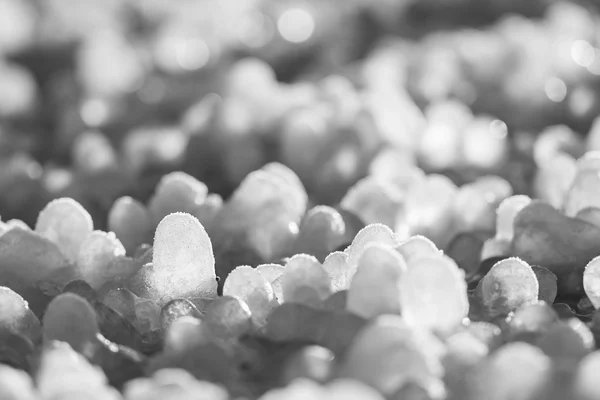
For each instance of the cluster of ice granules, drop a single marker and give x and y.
(455, 292)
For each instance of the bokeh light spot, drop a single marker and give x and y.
(296, 25)
(555, 89)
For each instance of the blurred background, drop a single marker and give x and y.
(100, 98)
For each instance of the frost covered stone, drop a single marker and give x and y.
(65, 222)
(183, 261)
(375, 288)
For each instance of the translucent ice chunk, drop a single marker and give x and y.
(464, 352)
(176, 192)
(547, 282)
(71, 319)
(96, 253)
(433, 294)
(305, 281)
(374, 201)
(228, 317)
(249, 285)
(272, 273)
(185, 333)
(371, 233)
(147, 316)
(416, 247)
(121, 300)
(184, 265)
(16, 317)
(375, 288)
(338, 268)
(506, 213)
(321, 231)
(509, 284)
(130, 221)
(66, 223)
(176, 309)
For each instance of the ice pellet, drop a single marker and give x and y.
(586, 377)
(184, 265)
(339, 270)
(16, 317)
(591, 281)
(509, 284)
(515, 371)
(321, 231)
(272, 273)
(386, 355)
(428, 210)
(71, 319)
(371, 233)
(65, 222)
(249, 285)
(228, 317)
(96, 253)
(416, 247)
(375, 288)
(185, 333)
(433, 294)
(374, 201)
(130, 221)
(16, 384)
(63, 372)
(176, 192)
(506, 213)
(305, 281)
(176, 309)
